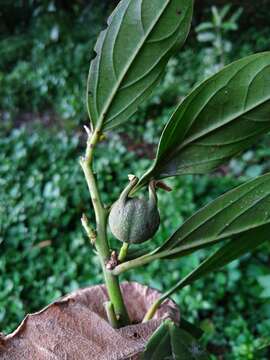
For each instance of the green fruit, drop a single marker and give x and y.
(135, 220)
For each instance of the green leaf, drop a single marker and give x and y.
(131, 55)
(235, 17)
(159, 345)
(224, 11)
(239, 210)
(221, 117)
(206, 36)
(229, 26)
(217, 20)
(232, 250)
(204, 26)
(184, 346)
(171, 342)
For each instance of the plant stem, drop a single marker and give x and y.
(101, 242)
(151, 312)
(153, 309)
(123, 252)
(115, 295)
(111, 314)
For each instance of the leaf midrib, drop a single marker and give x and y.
(219, 234)
(232, 117)
(125, 71)
(228, 120)
(214, 239)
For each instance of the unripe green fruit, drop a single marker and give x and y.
(134, 220)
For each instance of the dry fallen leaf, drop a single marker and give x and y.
(75, 327)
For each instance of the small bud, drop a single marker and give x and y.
(102, 137)
(113, 262)
(88, 131)
(131, 177)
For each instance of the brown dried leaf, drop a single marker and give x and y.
(75, 328)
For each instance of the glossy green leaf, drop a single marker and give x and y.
(131, 55)
(234, 249)
(239, 210)
(221, 117)
(184, 346)
(159, 344)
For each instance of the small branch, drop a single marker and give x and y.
(88, 131)
(151, 312)
(132, 264)
(154, 255)
(89, 230)
(153, 309)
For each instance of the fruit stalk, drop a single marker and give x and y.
(123, 252)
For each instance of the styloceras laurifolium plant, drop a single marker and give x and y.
(221, 117)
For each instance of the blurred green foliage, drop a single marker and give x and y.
(214, 34)
(44, 65)
(44, 252)
(44, 59)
